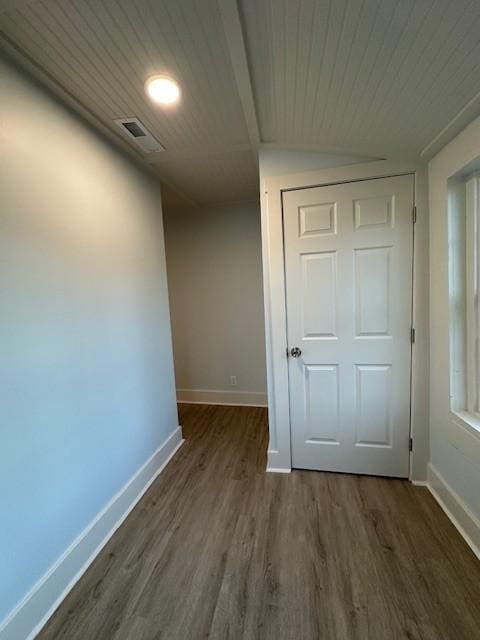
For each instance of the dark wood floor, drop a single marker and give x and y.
(219, 549)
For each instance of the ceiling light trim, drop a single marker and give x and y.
(163, 89)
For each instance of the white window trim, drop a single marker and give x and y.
(470, 421)
(466, 401)
(472, 306)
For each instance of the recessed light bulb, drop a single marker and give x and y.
(163, 89)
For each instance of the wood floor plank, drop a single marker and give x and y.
(219, 549)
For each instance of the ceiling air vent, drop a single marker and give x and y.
(137, 133)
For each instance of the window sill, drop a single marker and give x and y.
(470, 421)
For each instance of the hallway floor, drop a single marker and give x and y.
(219, 549)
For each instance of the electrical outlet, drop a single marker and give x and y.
(233, 381)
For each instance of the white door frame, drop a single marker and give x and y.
(279, 451)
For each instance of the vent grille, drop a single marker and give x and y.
(134, 129)
(137, 133)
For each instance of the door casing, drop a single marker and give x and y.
(279, 452)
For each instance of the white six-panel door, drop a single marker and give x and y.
(348, 261)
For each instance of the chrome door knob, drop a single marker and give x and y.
(295, 352)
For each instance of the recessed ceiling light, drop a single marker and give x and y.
(163, 89)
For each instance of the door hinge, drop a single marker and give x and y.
(412, 335)
(410, 444)
(414, 213)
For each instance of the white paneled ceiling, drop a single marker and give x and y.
(368, 77)
(369, 74)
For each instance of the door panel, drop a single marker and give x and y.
(348, 262)
(319, 273)
(372, 286)
(373, 403)
(321, 399)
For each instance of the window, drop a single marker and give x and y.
(472, 306)
(464, 277)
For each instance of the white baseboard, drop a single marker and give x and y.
(274, 464)
(217, 396)
(460, 515)
(31, 614)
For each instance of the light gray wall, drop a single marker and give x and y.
(455, 448)
(215, 283)
(86, 370)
